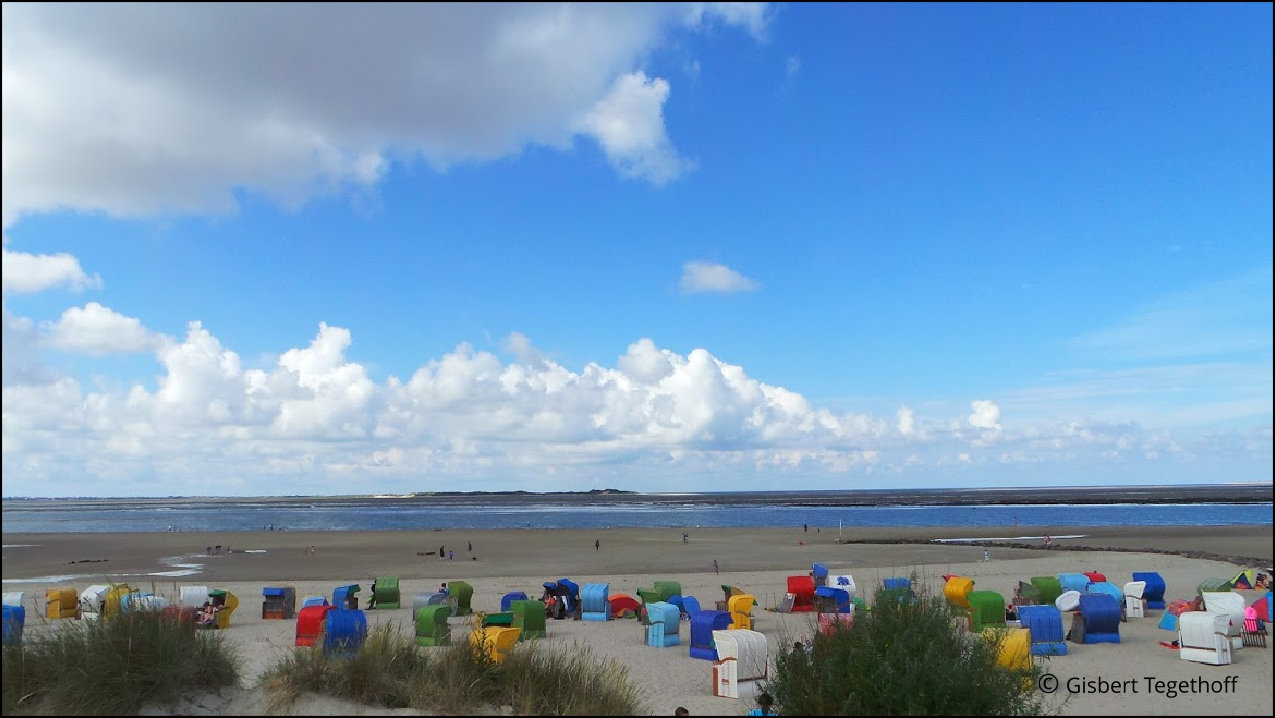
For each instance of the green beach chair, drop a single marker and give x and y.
(386, 591)
(431, 625)
(529, 615)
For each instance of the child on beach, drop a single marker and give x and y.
(765, 706)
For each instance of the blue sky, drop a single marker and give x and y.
(335, 249)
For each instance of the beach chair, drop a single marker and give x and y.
(278, 602)
(345, 632)
(1050, 588)
(1153, 594)
(61, 603)
(662, 621)
(690, 607)
(431, 625)
(194, 596)
(831, 600)
(310, 623)
(727, 592)
(819, 573)
(843, 581)
(702, 627)
(1107, 588)
(1231, 604)
(802, 589)
(226, 602)
(1099, 619)
(386, 591)
(1068, 601)
(1202, 637)
(1027, 595)
(569, 596)
(1254, 628)
(344, 597)
(830, 623)
(13, 619)
(741, 611)
(496, 643)
(664, 589)
(1045, 624)
(460, 594)
(1133, 603)
(1015, 650)
(743, 659)
(529, 618)
(93, 601)
(957, 590)
(1073, 582)
(314, 600)
(1096, 577)
(114, 599)
(987, 610)
(507, 600)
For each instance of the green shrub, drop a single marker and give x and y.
(904, 657)
(114, 667)
(379, 674)
(390, 670)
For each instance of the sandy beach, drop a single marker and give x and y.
(756, 560)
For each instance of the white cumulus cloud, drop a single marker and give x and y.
(906, 420)
(95, 329)
(37, 272)
(137, 110)
(709, 277)
(629, 124)
(986, 415)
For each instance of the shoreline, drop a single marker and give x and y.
(1249, 493)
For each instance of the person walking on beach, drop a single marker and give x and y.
(471, 547)
(441, 554)
(715, 568)
(805, 528)
(597, 544)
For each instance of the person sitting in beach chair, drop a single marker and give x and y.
(208, 616)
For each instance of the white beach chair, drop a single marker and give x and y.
(194, 596)
(14, 598)
(1202, 637)
(743, 658)
(1133, 604)
(1068, 601)
(93, 602)
(1232, 604)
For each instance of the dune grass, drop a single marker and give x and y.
(114, 667)
(903, 657)
(390, 670)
